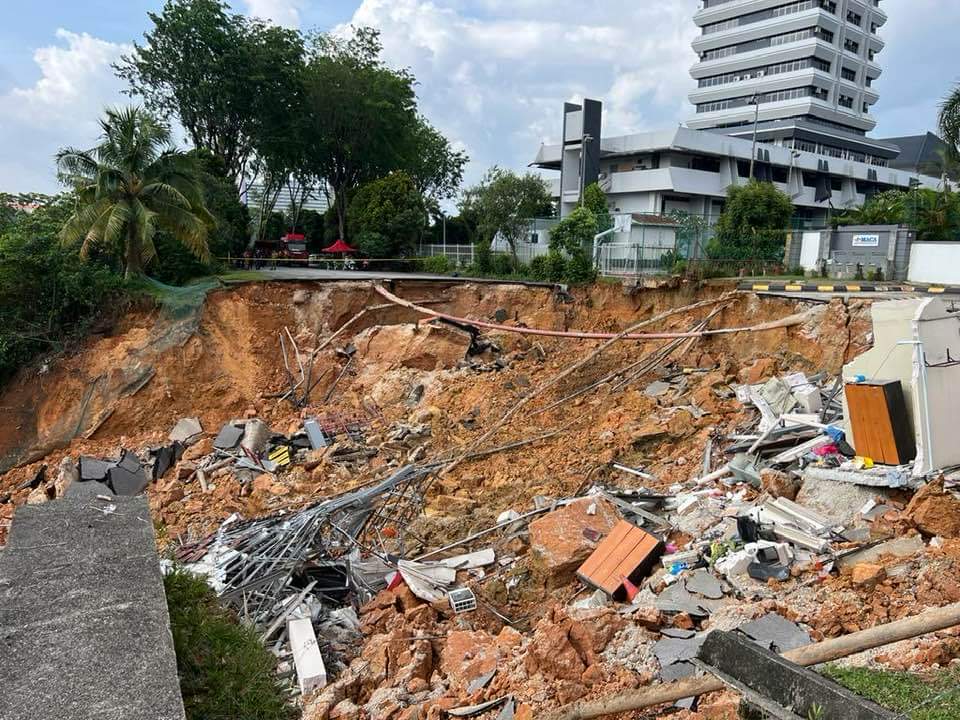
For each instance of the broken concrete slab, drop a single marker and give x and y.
(742, 662)
(186, 431)
(841, 502)
(311, 671)
(228, 437)
(676, 599)
(673, 650)
(127, 477)
(86, 632)
(92, 469)
(902, 547)
(775, 632)
(704, 583)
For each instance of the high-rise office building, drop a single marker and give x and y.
(801, 73)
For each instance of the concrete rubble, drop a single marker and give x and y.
(406, 557)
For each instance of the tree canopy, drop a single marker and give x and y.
(504, 202)
(754, 223)
(232, 82)
(131, 184)
(387, 216)
(949, 122)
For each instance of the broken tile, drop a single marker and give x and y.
(228, 437)
(676, 599)
(677, 671)
(677, 633)
(704, 583)
(671, 650)
(185, 430)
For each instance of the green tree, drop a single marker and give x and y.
(504, 203)
(359, 115)
(573, 238)
(234, 83)
(129, 186)
(595, 200)
(949, 122)
(387, 216)
(436, 168)
(753, 225)
(886, 208)
(934, 214)
(47, 296)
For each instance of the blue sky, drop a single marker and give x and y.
(493, 73)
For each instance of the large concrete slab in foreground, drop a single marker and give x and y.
(84, 628)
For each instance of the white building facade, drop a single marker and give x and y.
(785, 90)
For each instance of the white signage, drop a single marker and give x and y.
(866, 241)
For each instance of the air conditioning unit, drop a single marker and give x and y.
(761, 73)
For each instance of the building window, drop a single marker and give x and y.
(848, 74)
(846, 101)
(854, 18)
(851, 46)
(866, 108)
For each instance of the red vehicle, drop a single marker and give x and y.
(293, 246)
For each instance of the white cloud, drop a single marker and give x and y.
(282, 12)
(494, 74)
(61, 108)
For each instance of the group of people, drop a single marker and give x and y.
(259, 258)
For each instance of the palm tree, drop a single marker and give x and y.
(129, 186)
(949, 121)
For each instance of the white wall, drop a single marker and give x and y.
(810, 250)
(935, 262)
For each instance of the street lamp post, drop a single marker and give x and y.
(583, 163)
(755, 101)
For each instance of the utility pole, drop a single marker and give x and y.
(583, 164)
(755, 101)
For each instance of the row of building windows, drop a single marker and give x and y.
(836, 152)
(780, 11)
(763, 98)
(753, 73)
(772, 41)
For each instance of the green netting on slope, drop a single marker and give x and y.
(181, 309)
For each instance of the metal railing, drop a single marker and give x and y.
(458, 255)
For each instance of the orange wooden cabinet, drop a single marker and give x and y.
(879, 422)
(626, 553)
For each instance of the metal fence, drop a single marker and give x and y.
(459, 255)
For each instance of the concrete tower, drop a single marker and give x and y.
(803, 71)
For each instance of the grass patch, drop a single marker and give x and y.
(903, 692)
(225, 671)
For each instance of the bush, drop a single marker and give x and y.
(502, 265)
(435, 265)
(225, 671)
(483, 258)
(48, 295)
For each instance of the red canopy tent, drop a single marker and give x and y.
(339, 247)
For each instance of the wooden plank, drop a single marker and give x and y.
(607, 572)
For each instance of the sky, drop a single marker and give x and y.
(493, 74)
